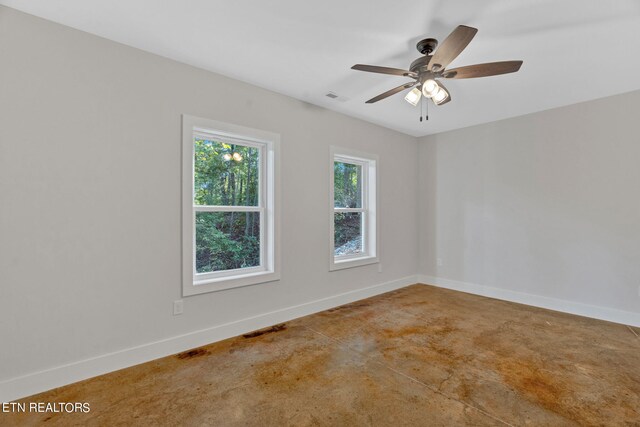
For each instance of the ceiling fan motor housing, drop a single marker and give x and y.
(420, 65)
(425, 47)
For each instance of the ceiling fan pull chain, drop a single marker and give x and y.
(421, 105)
(427, 118)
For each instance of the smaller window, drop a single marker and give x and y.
(353, 219)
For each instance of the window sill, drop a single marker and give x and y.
(223, 283)
(352, 262)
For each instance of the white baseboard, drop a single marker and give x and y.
(27, 385)
(596, 312)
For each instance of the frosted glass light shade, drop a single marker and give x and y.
(440, 96)
(430, 88)
(413, 97)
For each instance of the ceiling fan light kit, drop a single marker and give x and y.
(426, 70)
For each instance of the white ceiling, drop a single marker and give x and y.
(573, 50)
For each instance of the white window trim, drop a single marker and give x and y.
(194, 284)
(370, 200)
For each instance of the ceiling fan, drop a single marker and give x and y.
(426, 70)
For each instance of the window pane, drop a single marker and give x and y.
(347, 233)
(225, 174)
(347, 183)
(227, 240)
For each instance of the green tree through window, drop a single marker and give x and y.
(226, 175)
(347, 193)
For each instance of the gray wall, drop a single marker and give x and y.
(90, 196)
(546, 204)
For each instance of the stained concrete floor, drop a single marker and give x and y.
(417, 356)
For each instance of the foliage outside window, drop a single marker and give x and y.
(353, 217)
(226, 175)
(229, 226)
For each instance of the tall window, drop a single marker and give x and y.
(229, 222)
(353, 209)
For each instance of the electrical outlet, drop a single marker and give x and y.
(379, 267)
(439, 260)
(178, 307)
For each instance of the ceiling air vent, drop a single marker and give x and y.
(337, 97)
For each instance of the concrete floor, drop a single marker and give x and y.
(416, 356)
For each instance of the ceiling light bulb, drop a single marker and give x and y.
(237, 157)
(430, 88)
(413, 97)
(226, 157)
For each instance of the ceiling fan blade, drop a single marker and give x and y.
(384, 70)
(483, 70)
(391, 92)
(451, 47)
